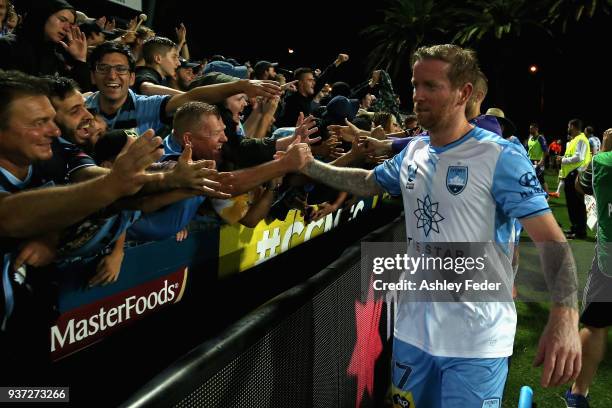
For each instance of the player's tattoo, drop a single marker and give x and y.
(560, 272)
(357, 181)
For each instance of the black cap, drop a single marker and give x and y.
(262, 66)
(339, 108)
(188, 64)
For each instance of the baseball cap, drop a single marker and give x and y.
(262, 66)
(340, 107)
(228, 69)
(187, 64)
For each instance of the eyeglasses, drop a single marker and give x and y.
(106, 69)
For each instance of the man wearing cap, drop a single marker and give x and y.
(184, 75)
(265, 70)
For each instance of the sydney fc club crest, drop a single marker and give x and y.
(456, 179)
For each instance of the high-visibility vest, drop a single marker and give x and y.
(569, 152)
(534, 148)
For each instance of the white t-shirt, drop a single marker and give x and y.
(471, 190)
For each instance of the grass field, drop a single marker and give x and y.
(532, 317)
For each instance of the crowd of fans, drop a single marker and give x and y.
(113, 134)
(132, 140)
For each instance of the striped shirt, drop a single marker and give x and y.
(138, 112)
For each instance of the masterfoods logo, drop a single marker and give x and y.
(85, 325)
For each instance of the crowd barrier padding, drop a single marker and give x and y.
(315, 345)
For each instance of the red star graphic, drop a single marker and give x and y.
(368, 346)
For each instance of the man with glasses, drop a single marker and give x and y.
(113, 67)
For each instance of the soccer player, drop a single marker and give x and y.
(455, 354)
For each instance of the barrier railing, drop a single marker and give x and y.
(304, 348)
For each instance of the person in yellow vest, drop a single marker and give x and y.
(538, 153)
(577, 157)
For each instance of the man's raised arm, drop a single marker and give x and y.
(218, 92)
(38, 211)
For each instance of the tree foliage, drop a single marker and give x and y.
(404, 27)
(408, 24)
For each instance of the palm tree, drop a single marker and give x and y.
(406, 25)
(499, 18)
(563, 11)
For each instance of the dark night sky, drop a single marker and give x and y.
(573, 74)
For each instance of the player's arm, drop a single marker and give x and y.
(559, 347)
(356, 181)
(385, 177)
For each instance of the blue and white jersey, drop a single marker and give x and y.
(471, 190)
(138, 112)
(595, 144)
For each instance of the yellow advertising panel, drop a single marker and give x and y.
(241, 248)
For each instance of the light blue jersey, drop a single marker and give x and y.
(517, 225)
(471, 190)
(138, 112)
